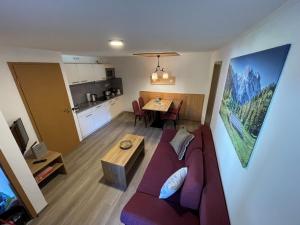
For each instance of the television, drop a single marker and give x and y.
(8, 197)
(20, 134)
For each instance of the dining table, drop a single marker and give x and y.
(158, 106)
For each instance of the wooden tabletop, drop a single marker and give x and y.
(120, 157)
(50, 156)
(155, 105)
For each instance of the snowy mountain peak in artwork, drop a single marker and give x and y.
(246, 85)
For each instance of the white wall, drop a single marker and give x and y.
(268, 190)
(10, 100)
(18, 164)
(192, 71)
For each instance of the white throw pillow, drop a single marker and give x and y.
(173, 183)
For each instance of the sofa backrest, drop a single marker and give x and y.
(213, 209)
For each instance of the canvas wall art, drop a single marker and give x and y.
(249, 88)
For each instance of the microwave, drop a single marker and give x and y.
(110, 73)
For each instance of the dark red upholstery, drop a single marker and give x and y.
(136, 108)
(196, 143)
(138, 113)
(145, 208)
(173, 114)
(159, 170)
(213, 209)
(141, 102)
(192, 188)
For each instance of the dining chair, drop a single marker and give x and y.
(142, 103)
(138, 113)
(172, 114)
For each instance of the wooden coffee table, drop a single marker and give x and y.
(116, 163)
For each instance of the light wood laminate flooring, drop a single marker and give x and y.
(81, 197)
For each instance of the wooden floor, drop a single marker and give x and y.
(82, 197)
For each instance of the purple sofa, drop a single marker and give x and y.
(199, 201)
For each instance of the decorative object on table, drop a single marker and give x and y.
(249, 88)
(160, 75)
(126, 144)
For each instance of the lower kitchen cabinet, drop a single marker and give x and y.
(96, 117)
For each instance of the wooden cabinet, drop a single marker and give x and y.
(83, 73)
(96, 117)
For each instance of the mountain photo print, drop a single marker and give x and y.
(249, 88)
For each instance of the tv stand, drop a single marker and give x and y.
(54, 160)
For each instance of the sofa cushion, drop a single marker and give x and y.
(144, 209)
(173, 183)
(163, 164)
(192, 188)
(178, 141)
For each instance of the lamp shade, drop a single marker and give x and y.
(165, 76)
(154, 76)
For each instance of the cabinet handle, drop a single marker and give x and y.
(75, 82)
(83, 81)
(88, 115)
(99, 106)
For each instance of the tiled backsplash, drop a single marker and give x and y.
(79, 91)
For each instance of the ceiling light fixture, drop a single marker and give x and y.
(116, 43)
(159, 70)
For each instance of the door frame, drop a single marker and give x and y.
(212, 93)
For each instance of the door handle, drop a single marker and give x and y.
(67, 111)
(89, 115)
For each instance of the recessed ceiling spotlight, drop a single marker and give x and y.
(116, 43)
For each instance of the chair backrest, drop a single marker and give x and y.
(179, 106)
(136, 107)
(141, 102)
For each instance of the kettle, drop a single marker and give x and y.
(94, 97)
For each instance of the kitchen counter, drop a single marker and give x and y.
(88, 105)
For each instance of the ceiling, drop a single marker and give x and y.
(84, 27)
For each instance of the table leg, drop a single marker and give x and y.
(158, 123)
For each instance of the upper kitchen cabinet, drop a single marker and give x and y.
(72, 73)
(83, 73)
(99, 72)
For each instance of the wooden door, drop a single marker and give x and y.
(43, 91)
(212, 93)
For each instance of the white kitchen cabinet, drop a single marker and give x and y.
(72, 73)
(96, 117)
(103, 115)
(88, 122)
(83, 73)
(99, 72)
(86, 72)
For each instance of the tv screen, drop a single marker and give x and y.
(8, 198)
(20, 134)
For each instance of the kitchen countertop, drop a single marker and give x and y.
(88, 105)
